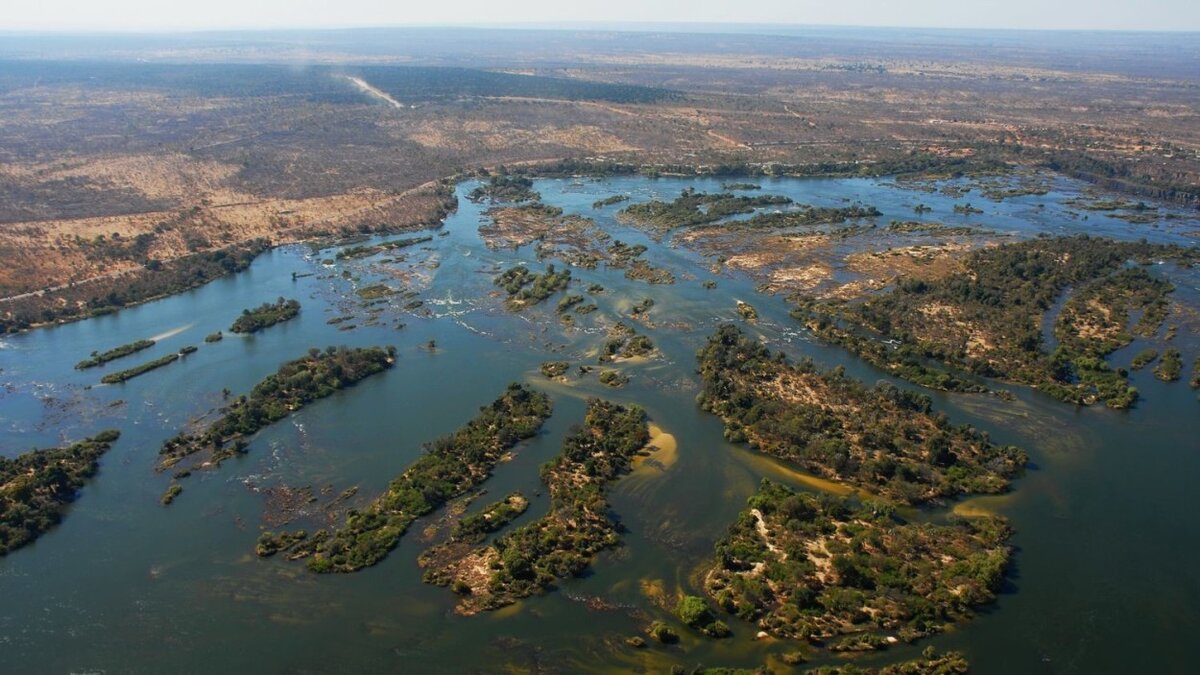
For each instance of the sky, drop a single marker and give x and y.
(159, 15)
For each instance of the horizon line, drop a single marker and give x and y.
(588, 26)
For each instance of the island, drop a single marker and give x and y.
(987, 318)
(265, 315)
(450, 467)
(526, 288)
(853, 576)
(294, 385)
(37, 487)
(692, 208)
(100, 358)
(560, 544)
(502, 187)
(882, 439)
(122, 375)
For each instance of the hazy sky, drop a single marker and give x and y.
(207, 14)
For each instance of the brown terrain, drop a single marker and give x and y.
(106, 170)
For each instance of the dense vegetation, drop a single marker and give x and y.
(325, 84)
(474, 528)
(450, 467)
(810, 215)
(1170, 367)
(628, 257)
(695, 613)
(99, 358)
(525, 288)
(625, 343)
(561, 544)
(693, 208)
(1143, 358)
(295, 385)
(613, 378)
(122, 375)
(265, 315)
(851, 576)
(881, 438)
(36, 487)
(469, 531)
(913, 164)
(505, 188)
(987, 319)
(609, 201)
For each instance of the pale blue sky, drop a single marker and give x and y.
(100, 15)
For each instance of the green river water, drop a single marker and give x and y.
(1107, 525)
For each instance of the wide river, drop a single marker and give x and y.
(1107, 520)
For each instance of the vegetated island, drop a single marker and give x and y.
(366, 251)
(609, 201)
(554, 369)
(502, 187)
(296, 384)
(1170, 367)
(883, 439)
(100, 358)
(693, 208)
(265, 315)
(624, 342)
(451, 466)
(561, 544)
(141, 369)
(526, 288)
(853, 576)
(472, 530)
(1143, 359)
(36, 487)
(987, 319)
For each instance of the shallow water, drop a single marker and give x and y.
(1106, 522)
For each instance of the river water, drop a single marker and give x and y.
(1106, 518)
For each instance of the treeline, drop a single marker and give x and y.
(882, 438)
(450, 467)
(987, 319)
(100, 358)
(913, 164)
(37, 487)
(265, 315)
(294, 385)
(1123, 177)
(324, 84)
(105, 296)
(561, 544)
(141, 369)
(851, 576)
